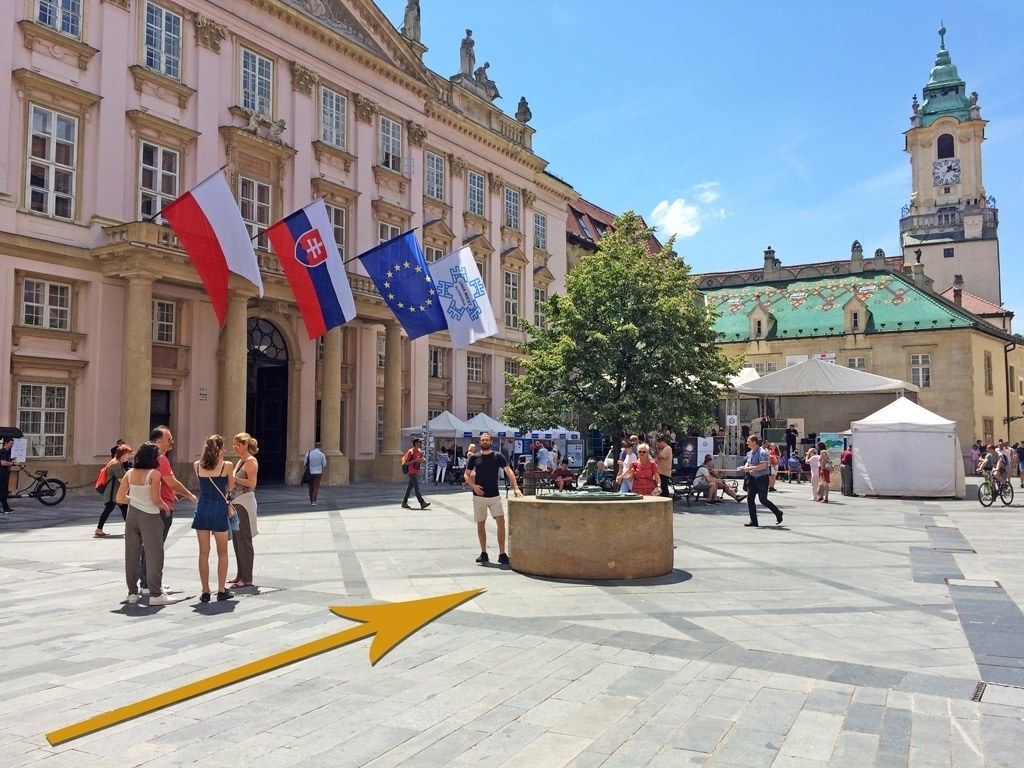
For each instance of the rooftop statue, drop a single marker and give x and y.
(411, 22)
(467, 58)
(523, 113)
(485, 83)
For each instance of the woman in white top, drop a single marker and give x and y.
(813, 461)
(140, 490)
(628, 459)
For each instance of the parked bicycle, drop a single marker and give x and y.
(990, 489)
(47, 490)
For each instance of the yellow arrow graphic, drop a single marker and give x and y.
(391, 623)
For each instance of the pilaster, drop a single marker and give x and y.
(138, 357)
(330, 410)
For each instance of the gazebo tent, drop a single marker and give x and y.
(906, 450)
(746, 375)
(484, 423)
(443, 425)
(816, 377)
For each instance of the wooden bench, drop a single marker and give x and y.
(800, 475)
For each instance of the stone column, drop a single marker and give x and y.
(386, 465)
(330, 409)
(138, 359)
(233, 361)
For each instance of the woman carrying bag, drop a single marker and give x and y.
(115, 473)
(213, 513)
(244, 502)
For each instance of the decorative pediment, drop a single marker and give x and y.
(436, 209)
(333, 192)
(513, 257)
(339, 158)
(52, 92)
(480, 246)
(163, 131)
(391, 213)
(146, 80)
(542, 276)
(39, 37)
(478, 225)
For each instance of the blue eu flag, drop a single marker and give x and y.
(403, 280)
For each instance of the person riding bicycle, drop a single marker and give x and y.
(994, 462)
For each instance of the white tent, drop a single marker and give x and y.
(816, 377)
(746, 375)
(442, 425)
(484, 423)
(906, 450)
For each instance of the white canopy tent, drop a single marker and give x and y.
(906, 450)
(484, 423)
(444, 424)
(816, 377)
(746, 375)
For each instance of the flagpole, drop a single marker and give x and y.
(150, 219)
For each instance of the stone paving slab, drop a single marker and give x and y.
(855, 635)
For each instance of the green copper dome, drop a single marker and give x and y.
(945, 93)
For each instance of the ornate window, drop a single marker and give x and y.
(63, 15)
(257, 83)
(266, 341)
(164, 321)
(475, 368)
(540, 295)
(159, 169)
(944, 146)
(333, 118)
(511, 298)
(163, 41)
(435, 175)
(254, 203)
(387, 231)
(476, 193)
(43, 417)
(435, 363)
(53, 154)
(46, 305)
(540, 231)
(921, 370)
(511, 208)
(338, 215)
(390, 144)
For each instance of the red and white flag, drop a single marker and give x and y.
(209, 225)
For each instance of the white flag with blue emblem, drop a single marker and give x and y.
(461, 294)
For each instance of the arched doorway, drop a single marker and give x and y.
(266, 397)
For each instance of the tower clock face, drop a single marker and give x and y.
(945, 172)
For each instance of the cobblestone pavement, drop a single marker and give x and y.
(855, 635)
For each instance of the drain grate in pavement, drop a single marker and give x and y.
(955, 550)
(985, 583)
(978, 692)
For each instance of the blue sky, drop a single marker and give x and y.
(749, 124)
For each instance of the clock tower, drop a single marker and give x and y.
(950, 224)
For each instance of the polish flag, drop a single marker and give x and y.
(209, 225)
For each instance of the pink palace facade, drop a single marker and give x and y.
(116, 106)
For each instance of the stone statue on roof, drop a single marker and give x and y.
(485, 83)
(411, 22)
(523, 113)
(467, 57)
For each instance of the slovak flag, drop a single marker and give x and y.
(209, 225)
(304, 243)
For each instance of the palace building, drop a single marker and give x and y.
(115, 107)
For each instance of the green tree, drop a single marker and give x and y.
(629, 345)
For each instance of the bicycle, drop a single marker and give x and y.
(988, 491)
(48, 491)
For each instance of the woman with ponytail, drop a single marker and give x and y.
(244, 502)
(216, 481)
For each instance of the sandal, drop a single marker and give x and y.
(100, 534)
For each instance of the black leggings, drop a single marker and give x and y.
(108, 508)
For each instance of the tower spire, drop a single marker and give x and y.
(942, 36)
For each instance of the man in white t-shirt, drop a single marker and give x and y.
(628, 460)
(543, 459)
(706, 480)
(316, 463)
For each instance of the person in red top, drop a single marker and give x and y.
(644, 473)
(412, 460)
(846, 470)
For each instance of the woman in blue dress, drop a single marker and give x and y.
(216, 480)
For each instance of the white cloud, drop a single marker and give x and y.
(685, 215)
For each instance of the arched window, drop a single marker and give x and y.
(945, 146)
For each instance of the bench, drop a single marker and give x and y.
(683, 489)
(800, 475)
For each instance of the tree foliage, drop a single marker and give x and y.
(629, 345)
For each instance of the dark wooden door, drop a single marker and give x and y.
(267, 418)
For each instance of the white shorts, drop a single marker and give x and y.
(484, 504)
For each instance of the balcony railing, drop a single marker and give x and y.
(946, 220)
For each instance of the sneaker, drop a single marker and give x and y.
(741, 498)
(133, 598)
(225, 595)
(424, 505)
(162, 599)
(483, 558)
(204, 598)
(751, 525)
(405, 506)
(503, 559)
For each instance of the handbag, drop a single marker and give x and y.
(305, 472)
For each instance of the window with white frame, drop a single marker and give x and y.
(63, 15)
(43, 418)
(46, 305)
(163, 41)
(540, 231)
(432, 254)
(435, 363)
(921, 370)
(380, 350)
(475, 368)
(254, 203)
(333, 121)
(540, 295)
(380, 428)
(482, 269)
(390, 144)
(338, 215)
(158, 178)
(435, 175)
(511, 208)
(386, 231)
(433, 413)
(857, 363)
(53, 151)
(476, 186)
(512, 367)
(164, 321)
(511, 298)
(763, 368)
(257, 83)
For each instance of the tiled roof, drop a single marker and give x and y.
(587, 222)
(977, 305)
(814, 306)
